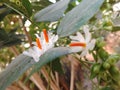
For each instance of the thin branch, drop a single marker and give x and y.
(28, 36)
(57, 78)
(20, 83)
(14, 50)
(37, 81)
(26, 32)
(72, 73)
(48, 79)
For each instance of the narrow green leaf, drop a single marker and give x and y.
(14, 70)
(3, 12)
(78, 17)
(52, 12)
(22, 7)
(22, 63)
(56, 66)
(50, 56)
(28, 7)
(9, 39)
(38, 5)
(3, 35)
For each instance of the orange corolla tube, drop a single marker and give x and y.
(77, 44)
(46, 35)
(38, 43)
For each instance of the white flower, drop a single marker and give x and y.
(81, 43)
(43, 42)
(116, 7)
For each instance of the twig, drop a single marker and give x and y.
(37, 81)
(83, 62)
(52, 84)
(22, 85)
(72, 73)
(57, 78)
(14, 50)
(28, 36)
(26, 32)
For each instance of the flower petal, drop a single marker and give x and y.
(76, 49)
(34, 52)
(36, 58)
(87, 33)
(79, 37)
(75, 38)
(84, 52)
(26, 53)
(54, 38)
(91, 45)
(46, 44)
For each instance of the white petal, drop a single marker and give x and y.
(50, 34)
(36, 58)
(27, 53)
(37, 50)
(87, 34)
(33, 52)
(91, 45)
(42, 37)
(80, 37)
(116, 7)
(34, 43)
(74, 38)
(84, 53)
(76, 49)
(37, 35)
(47, 46)
(54, 38)
(74, 41)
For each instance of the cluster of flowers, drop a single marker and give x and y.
(47, 40)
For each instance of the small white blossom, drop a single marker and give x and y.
(82, 43)
(43, 42)
(116, 7)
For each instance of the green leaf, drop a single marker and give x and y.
(52, 12)
(14, 70)
(3, 35)
(78, 16)
(107, 88)
(50, 56)
(95, 70)
(38, 5)
(3, 12)
(28, 7)
(56, 66)
(22, 7)
(9, 39)
(22, 63)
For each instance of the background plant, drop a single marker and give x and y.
(56, 70)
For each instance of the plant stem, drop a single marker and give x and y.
(28, 36)
(52, 84)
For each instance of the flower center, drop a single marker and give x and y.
(77, 44)
(38, 43)
(46, 35)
